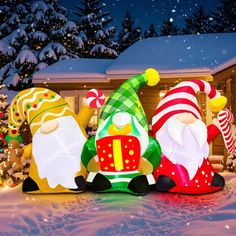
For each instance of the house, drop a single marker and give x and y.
(210, 57)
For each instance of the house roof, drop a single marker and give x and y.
(173, 56)
(86, 70)
(182, 53)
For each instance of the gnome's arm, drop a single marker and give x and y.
(151, 158)
(85, 115)
(88, 153)
(95, 98)
(27, 152)
(223, 125)
(212, 131)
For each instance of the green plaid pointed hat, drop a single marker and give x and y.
(125, 97)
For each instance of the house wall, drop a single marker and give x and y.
(149, 98)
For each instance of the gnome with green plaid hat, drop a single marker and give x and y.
(121, 157)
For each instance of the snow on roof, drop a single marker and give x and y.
(173, 54)
(70, 69)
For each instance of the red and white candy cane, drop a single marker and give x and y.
(226, 119)
(95, 98)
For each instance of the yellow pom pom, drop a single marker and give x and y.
(152, 76)
(217, 104)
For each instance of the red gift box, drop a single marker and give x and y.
(120, 153)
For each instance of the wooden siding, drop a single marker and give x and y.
(233, 95)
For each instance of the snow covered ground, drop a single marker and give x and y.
(119, 214)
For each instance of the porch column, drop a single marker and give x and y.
(228, 93)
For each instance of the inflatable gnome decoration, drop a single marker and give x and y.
(122, 157)
(184, 139)
(58, 136)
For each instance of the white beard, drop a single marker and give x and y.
(183, 144)
(58, 154)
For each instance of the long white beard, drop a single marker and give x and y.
(183, 144)
(58, 154)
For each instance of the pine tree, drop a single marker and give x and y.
(198, 23)
(129, 34)
(12, 13)
(151, 32)
(9, 175)
(169, 28)
(3, 118)
(41, 38)
(95, 30)
(224, 19)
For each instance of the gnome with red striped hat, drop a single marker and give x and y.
(184, 138)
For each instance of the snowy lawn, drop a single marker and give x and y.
(119, 214)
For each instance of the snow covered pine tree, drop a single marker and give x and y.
(199, 23)
(129, 34)
(151, 32)
(224, 19)
(3, 127)
(3, 118)
(95, 31)
(169, 27)
(39, 35)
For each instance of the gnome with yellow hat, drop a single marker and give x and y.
(122, 157)
(58, 136)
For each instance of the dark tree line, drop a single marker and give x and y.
(222, 20)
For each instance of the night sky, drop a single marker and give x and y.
(147, 11)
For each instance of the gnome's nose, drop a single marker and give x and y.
(186, 118)
(121, 119)
(121, 124)
(49, 126)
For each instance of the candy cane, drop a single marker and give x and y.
(226, 119)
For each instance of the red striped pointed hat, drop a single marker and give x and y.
(182, 98)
